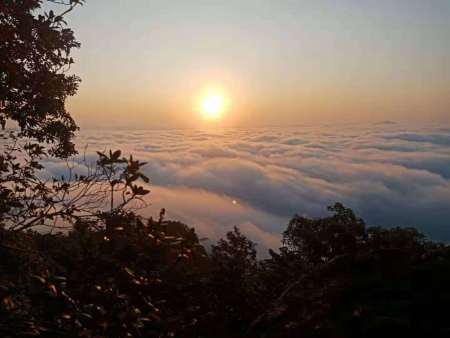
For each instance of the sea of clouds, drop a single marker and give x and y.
(257, 179)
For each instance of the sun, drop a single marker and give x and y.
(213, 105)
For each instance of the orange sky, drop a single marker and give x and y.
(278, 63)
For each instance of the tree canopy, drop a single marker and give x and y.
(35, 55)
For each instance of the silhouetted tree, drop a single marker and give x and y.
(35, 55)
(235, 280)
(317, 241)
(334, 278)
(104, 190)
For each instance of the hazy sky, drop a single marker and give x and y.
(145, 63)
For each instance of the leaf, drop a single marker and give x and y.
(53, 289)
(8, 302)
(39, 278)
(129, 271)
(86, 315)
(145, 178)
(59, 278)
(116, 155)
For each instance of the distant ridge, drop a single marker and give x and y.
(387, 122)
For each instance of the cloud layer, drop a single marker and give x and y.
(389, 174)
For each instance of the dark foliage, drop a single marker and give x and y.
(115, 282)
(28, 200)
(34, 57)
(234, 272)
(154, 279)
(335, 278)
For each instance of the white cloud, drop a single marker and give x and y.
(390, 174)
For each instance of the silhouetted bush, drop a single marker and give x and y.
(335, 278)
(154, 279)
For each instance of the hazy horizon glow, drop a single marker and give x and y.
(281, 62)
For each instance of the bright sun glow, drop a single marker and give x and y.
(213, 105)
